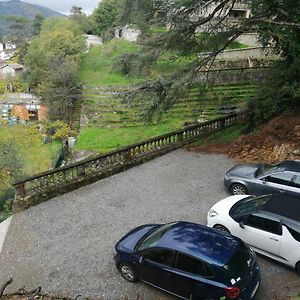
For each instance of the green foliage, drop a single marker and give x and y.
(139, 63)
(58, 38)
(52, 64)
(6, 199)
(16, 86)
(19, 30)
(62, 90)
(37, 24)
(141, 13)
(106, 17)
(22, 153)
(86, 23)
(280, 93)
(119, 62)
(275, 21)
(96, 65)
(57, 130)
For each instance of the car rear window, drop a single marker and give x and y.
(269, 169)
(153, 238)
(248, 205)
(294, 230)
(241, 260)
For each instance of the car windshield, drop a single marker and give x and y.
(240, 261)
(153, 238)
(267, 169)
(248, 205)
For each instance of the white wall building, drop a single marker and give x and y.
(10, 70)
(93, 40)
(128, 33)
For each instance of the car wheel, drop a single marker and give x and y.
(128, 272)
(298, 267)
(238, 189)
(221, 228)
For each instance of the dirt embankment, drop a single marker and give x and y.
(277, 140)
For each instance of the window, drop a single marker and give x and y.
(153, 238)
(262, 223)
(294, 231)
(241, 260)
(248, 205)
(238, 13)
(192, 265)
(281, 178)
(296, 182)
(265, 170)
(160, 256)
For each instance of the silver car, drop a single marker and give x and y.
(260, 179)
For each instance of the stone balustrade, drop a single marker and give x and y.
(41, 187)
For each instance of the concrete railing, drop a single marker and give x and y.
(39, 188)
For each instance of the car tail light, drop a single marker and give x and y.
(232, 292)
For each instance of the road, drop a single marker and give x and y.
(66, 245)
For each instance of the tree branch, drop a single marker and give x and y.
(290, 24)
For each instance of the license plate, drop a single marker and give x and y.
(254, 290)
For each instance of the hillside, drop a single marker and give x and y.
(21, 9)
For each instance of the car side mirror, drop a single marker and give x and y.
(242, 224)
(264, 180)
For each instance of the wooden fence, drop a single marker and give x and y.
(41, 187)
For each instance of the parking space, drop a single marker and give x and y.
(66, 244)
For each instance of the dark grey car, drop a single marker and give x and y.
(260, 179)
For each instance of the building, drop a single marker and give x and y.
(92, 40)
(128, 33)
(7, 50)
(10, 70)
(21, 107)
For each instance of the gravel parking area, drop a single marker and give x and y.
(66, 244)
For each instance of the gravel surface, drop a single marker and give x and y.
(66, 245)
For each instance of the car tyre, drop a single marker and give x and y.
(238, 189)
(128, 272)
(298, 267)
(221, 228)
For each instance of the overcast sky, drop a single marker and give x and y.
(64, 6)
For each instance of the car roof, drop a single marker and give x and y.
(284, 206)
(200, 241)
(291, 165)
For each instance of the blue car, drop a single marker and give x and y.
(190, 261)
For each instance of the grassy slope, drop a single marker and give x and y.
(96, 65)
(96, 70)
(103, 140)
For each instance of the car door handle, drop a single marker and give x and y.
(274, 239)
(281, 191)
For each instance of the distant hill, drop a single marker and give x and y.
(22, 9)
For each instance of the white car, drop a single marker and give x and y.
(270, 224)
